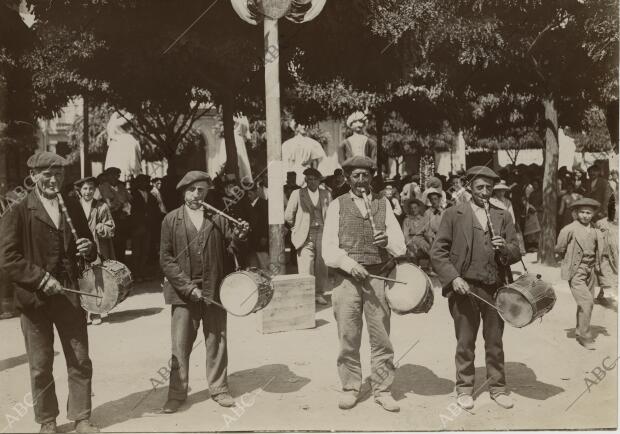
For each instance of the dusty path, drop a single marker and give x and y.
(288, 381)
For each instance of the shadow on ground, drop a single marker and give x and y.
(419, 380)
(275, 378)
(594, 329)
(12, 362)
(128, 315)
(522, 381)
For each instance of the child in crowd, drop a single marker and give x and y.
(581, 246)
(414, 222)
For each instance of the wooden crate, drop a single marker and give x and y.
(292, 306)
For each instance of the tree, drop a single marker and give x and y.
(151, 58)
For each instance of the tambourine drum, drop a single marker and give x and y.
(416, 296)
(110, 279)
(524, 300)
(245, 292)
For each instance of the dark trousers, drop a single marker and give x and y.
(121, 233)
(466, 312)
(140, 250)
(185, 323)
(37, 326)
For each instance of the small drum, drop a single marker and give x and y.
(245, 292)
(524, 300)
(414, 297)
(110, 279)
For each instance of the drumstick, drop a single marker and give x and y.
(82, 293)
(222, 213)
(387, 279)
(484, 301)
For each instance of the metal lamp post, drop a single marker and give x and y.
(269, 12)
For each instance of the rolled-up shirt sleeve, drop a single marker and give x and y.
(336, 257)
(333, 255)
(396, 239)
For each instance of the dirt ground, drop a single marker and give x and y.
(288, 381)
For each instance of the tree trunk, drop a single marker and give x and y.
(232, 164)
(549, 186)
(85, 160)
(381, 155)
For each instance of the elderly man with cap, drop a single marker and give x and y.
(474, 247)
(305, 213)
(357, 144)
(117, 197)
(359, 239)
(39, 254)
(196, 254)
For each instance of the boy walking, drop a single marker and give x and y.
(581, 246)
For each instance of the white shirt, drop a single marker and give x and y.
(358, 144)
(481, 215)
(314, 196)
(86, 206)
(197, 216)
(336, 257)
(52, 208)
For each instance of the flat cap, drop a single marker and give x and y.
(586, 201)
(191, 177)
(481, 171)
(311, 171)
(359, 162)
(84, 180)
(45, 160)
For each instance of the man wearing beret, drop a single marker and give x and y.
(472, 254)
(356, 247)
(305, 213)
(196, 253)
(39, 254)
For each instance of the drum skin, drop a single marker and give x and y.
(245, 292)
(111, 280)
(414, 297)
(525, 300)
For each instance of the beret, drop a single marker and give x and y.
(191, 177)
(359, 162)
(45, 160)
(481, 171)
(586, 201)
(356, 117)
(311, 171)
(84, 180)
(112, 170)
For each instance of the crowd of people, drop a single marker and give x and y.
(348, 230)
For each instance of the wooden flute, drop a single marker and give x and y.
(222, 213)
(491, 229)
(369, 210)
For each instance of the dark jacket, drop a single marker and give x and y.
(143, 213)
(451, 251)
(259, 226)
(27, 233)
(175, 262)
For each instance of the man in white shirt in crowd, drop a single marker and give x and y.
(305, 213)
(356, 247)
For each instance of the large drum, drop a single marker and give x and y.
(524, 300)
(246, 292)
(110, 280)
(415, 296)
